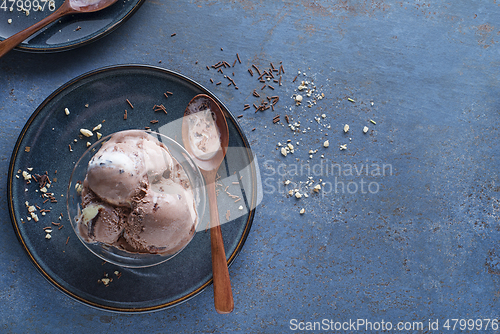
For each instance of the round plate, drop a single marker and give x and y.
(51, 143)
(69, 31)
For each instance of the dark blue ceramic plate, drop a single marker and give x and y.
(100, 97)
(68, 32)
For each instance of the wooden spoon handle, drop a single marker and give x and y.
(223, 295)
(16, 39)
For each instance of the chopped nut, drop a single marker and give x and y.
(365, 129)
(9, 21)
(78, 187)
(99, 135)
(302, 211)
(48, 236)
(26, 176)
(326, 143)
(88, 144)
(284, 151)
(343, 147)
(86, 133)
(298, 195)
(240, 207)
(346, 128)
(317, 188)
(66, 111)
(97, 127)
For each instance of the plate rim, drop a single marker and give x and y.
(85, 41)
(11, 175)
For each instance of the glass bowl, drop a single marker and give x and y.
(117, 254)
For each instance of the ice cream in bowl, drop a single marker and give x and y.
(135, 198)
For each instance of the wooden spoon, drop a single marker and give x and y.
(68, 7)
(208, 156)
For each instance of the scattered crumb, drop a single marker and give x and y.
(86, 133)
(66, 111)
(302, 211)
(365, 129)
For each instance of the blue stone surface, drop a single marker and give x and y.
(406, 225)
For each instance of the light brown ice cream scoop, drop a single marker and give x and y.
(137, 196)
(161, 223)
(206, 137)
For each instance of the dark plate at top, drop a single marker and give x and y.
(50, 143)
(68, 32)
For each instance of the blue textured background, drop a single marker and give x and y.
(424, 247)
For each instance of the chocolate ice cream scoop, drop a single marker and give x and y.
(118, 170)
(137, 196)
(161, 223)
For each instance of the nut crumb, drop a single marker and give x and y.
(365, 129)
(66, 111)
(326, 143)
(302, 211)
(284, 151)
(86, 133)
(346, 128)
